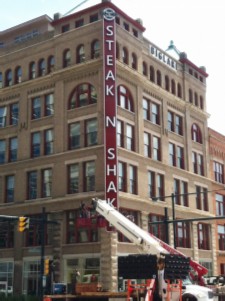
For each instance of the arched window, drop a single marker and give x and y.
(41, 67)
(201, 102)
(196, 99)
(167, 83)
(18, 75)
(190, 96)
(159, 78)
(117, 51)
(134, 61)
(83, 95)
(125, 56)
(173, 87)
(196, 133)
(144, 69)
(80, 54)
(66, 58)
(32, 70)
(152, 74)
(95, 49)
(8, 78)
(124, 99)
(51, 63)
(1, 80)
(179, 90)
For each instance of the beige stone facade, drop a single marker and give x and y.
(145, 72)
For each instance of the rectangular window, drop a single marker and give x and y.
(93, 18)
(176, 156)
(35, 144)
(220, 205)
(147, 145)
(73, 178)
(175, 123)
(79, 23)
(130, 137)
(198, 164)
(120, 136)
(36, 108)
(158, 230)
(46, 183)
(218, 169)
(183, 235)
(156, 148)
(9, 189)
(122, 177)
(32, 185)
(180, 157)
(151, 111)
(13, 147)
(221, 236)
(14, 114)
(49, 104)
(6, 241)
(155, 185)
(65, 28)
(181, 192)
(74, 135)
(91, 131)
(2, 151)
(202, 198)
(3, 114)
(48, 142)
(172, 154)
(133, 179)
(89, 176)
(203, 236)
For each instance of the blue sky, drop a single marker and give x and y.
(195, 26)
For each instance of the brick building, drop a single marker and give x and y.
(58, 78)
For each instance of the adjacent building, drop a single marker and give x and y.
(89, 107)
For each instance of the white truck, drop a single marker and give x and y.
(150, 244)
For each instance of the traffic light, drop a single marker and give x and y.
(47, 266)
(23, 223)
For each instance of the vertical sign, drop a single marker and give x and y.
(110, 104)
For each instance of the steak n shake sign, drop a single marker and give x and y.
(109, 54)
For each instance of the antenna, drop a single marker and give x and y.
(70, 11)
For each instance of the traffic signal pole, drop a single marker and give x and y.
(43, 224)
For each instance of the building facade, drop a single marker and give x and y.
(75, 93)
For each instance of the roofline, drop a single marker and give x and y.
(186, 61)
(97, 6)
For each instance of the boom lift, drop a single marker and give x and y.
(150, 244)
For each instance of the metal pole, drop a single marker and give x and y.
(166, 225)
(173, 214)
(42, 253)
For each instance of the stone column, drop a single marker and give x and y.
(108, 264)
(214, 249)
(195, 241)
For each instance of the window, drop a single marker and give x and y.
(175, 123)
(158, 78)
(95, 49)
(49, 104)
(93, 18)
(46, 183)
(125, 57)
(220, 204)
(89, 176)
(221, 236)
(35, 144)
(167, 83)
(48, 142)
(1, 80)
(151, 111)
(14, 114)
(198, 164)
(82, 95)
(10, 186)
(36, 108)
(122, 183)
(196, 99)
(33, 238)
(41, 67)
(158, 230)
(133, 179)
(134, 61)
(181, 192)
(218, 169)
(156, 148)
(8, 78)
(152, 74)
(183, 235)
(18, 75)
(176, 156)
(131, 215)
(144, 69)
(79, 23)
(125, 99)
(74, 135)
(3, 114)
(13, 147)
(190, 96)
(51, 63)
(155, 184)
(6, 241)
(201, 101)
(147, 145)
(73, 178)
(32, 185)
(126, 26)
(196, 133)
(32, 70)
(120, 135)
(173, 87)
(2, 151)
(66, 58)
(91, 132)
(130, 137)
(179, 90)
(203, 236)
(65, 28)
(202, 198)
(80, 54)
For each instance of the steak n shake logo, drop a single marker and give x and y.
(109, 54)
